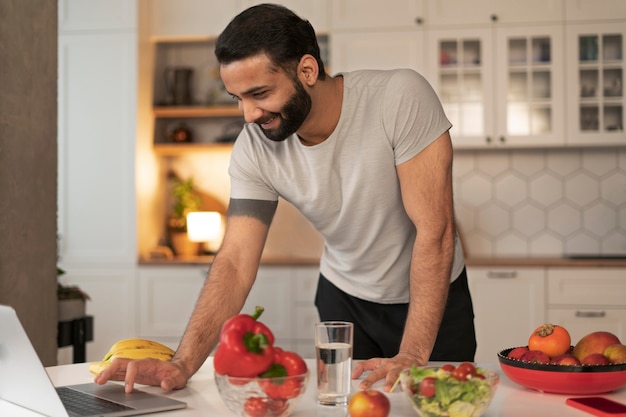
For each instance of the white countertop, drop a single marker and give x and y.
(203, 399)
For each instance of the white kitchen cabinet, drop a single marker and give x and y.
(95, 15)
(596, 62)
(585, 300)
(96, 131)
(509, 303)
(594, 10)
(166, 296)
(455, 12)
(377, 35)
(272, 291)
(500, 86)
(305, 315)
(97, 103)
(390, 49)
(374, 14)
(188, 18)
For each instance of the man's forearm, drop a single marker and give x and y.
(219, 300)
(430, 281)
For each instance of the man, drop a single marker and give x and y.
(366, 157)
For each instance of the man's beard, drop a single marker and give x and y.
(295, 112)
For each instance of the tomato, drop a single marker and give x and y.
(551, 339)
(464, 371)
(448, 367)
(427, 387)
(255, 407)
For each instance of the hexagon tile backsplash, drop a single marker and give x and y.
(551, 202)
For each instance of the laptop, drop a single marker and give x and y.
(25, 383)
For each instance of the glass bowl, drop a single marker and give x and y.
(563, 379)
(269, 397)
(463, 398)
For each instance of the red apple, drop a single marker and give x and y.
(565, 359)
(369, 403)
(517, 352)
(616, 353)
(594, 342)
(595, 359)
(535, 356)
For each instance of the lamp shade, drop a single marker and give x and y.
(204, 226)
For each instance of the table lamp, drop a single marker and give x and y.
(206, 227)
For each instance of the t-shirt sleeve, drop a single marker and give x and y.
(412, 114)
(246, 174)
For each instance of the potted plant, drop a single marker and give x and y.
(186, 199)
(71, 300)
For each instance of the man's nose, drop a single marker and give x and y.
(251, 112)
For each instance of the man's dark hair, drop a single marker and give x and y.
(271, 29)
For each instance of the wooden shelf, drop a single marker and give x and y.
(174, 149)
(196, 111)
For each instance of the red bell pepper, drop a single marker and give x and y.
(246, 347)
(286, 363)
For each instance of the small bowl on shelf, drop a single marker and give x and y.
(269, 397)
(563, 379)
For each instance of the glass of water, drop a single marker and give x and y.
(333, 347)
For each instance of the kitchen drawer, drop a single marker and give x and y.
(582, 321)
(587, 287)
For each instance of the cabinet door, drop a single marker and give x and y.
(372, 14)
(188, 18)
(304, 287)
(166, 298)
(529, 86)
(377, 50)
(272, 290)
(91, 15)
(590, 10)
(96, 144)
(458, 12)
(582, 321)
(596, 63)
(461, 71)
(508, 305)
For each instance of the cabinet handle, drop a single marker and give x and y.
(488, 139)
(502, 139)
(590, 314)
(494, 17)
(502, 274)
(419, 21)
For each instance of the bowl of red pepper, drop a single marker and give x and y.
(254, 377)
(261, 396)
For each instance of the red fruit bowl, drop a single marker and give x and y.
(563, 379)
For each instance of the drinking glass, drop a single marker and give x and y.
(333, 347)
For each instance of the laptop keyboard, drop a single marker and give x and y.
(82, 404)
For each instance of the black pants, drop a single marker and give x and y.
(378, 328)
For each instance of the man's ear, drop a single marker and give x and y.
(308, 70)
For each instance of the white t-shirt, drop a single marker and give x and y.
(347, 186)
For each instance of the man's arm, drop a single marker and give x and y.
(229, 281)
(223, 295)
(426, 186)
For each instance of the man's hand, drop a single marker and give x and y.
(383, 368)
(149, 371)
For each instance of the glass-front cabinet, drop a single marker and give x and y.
(500, 86)
(597, 101)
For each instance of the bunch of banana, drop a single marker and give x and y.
(132, 349)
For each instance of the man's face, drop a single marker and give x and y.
(267, 96)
